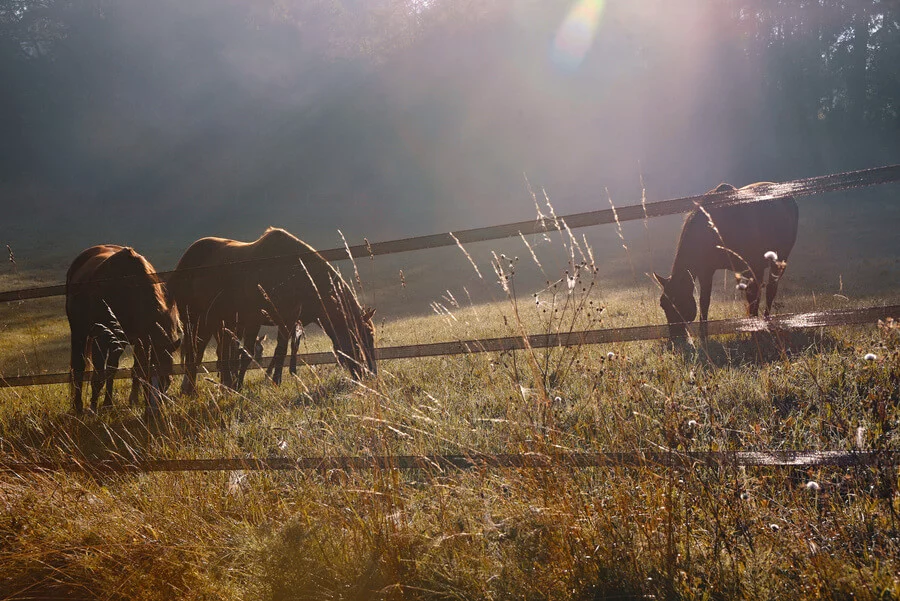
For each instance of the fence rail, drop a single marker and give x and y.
(640, 458)
(790, 321)
(799, 187)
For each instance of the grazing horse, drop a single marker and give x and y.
(744, 238)
(112, 297)
(229, 289)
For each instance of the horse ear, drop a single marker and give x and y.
(661, 281)
(368, 314)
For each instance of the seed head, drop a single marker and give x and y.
(813, 486)
(771, 256)
(870, 357)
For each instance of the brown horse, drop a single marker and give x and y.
(114, 297)
(744, 238)
(229, 289)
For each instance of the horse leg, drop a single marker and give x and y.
(225, 347)
(112, 365)
(753, 290)
(134, 396)
(706, 282)
(76, 370)
(249, 342)
(295, 346)
(188, 354)
(98, 375)
(775, 273)
(280, 353)
(140, 373)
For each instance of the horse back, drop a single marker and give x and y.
(748, 229)
(113, 278)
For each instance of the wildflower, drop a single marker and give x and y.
(813, 486)
(236, 482)
(870, 357)
(771, 256)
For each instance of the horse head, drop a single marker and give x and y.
(353, 335)
(677, 301)
(165, 339)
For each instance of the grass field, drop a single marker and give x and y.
(599, 533)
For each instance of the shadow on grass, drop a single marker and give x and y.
(757, 347)
(117, 434)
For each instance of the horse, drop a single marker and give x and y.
(744, 238)
(113, 297)
(230, 289)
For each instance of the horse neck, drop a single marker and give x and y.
(693, 248)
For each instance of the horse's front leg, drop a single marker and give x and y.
(706, 281)
(753, 290)
(277, 364)
(295, 346)
(98, 375)
(226, 345)
(249, 342)
(776, 270)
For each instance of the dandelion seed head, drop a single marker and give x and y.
(771, 256)
(813, 486)
(870, 357)
(774, 527)
(610, 355)
(741, 286)
(693, 424)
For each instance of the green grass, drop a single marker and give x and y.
(600, 533)
(563, 534)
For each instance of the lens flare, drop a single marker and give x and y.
(576, 34)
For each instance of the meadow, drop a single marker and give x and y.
(627, 532)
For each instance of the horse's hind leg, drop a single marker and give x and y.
(76, 370)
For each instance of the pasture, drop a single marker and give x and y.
(641, 531)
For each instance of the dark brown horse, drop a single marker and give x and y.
(744, 238)
(112, 298)
(229, 289)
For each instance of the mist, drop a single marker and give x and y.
(154, 124)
